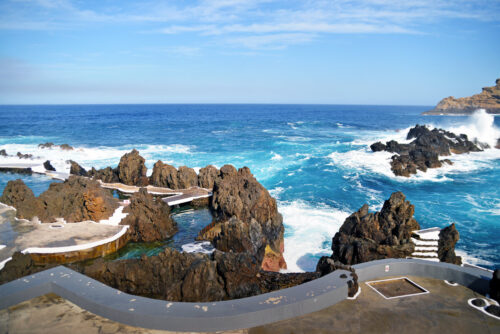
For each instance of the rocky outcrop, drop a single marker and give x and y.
(48, 166)
(488, 99)
(248, 217)
(106, 175)
(75, 200)
(149, 219)
(426, 148)
(168, 176)
(49, 145)
(164, 175)
(21, 265)
(76, 169)
(366, 236)
(448, 237)
(188, 277)
(495, 285)
(20, 196)
(132, 169)
(187, 177)
(207, 177)
(3, 153)
(24, 156)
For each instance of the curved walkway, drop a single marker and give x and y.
(226, 315)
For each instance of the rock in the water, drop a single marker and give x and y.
(496, 146)
(24, 156)
(488, 99)
(46, 145)
(149, 219)
(76, 169)
(426, 148)
(495, 285)
(448, 237)
(377, 147)
(75, 200)
(132, 169)
(368, 236)
(249, 216)
(164, 175)
(187, 177)
(47, 165)
(207, 177)
(3, 153)
(66, 147)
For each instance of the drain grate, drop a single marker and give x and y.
(396, 287)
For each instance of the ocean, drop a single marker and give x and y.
(314, 159)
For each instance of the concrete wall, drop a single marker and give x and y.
(225, 315)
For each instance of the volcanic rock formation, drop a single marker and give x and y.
(448, 237)
(75, 200)
(21, 265)
(424, 152)
(488, 99)
(131, 170)
(248, 217)
(149, 219)
(366, 236)
(76, 169)
(48, 166)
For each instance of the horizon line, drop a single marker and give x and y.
(213, 103)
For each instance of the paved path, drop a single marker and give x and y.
(177, 196)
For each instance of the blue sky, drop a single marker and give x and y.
(411, 52)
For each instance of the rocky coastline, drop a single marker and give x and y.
(425, 150)
(488, 99)
(247, 230)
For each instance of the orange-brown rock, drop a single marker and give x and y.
(248, 215)
(77, 199)
(488, 99)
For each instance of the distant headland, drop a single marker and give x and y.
(488, 99)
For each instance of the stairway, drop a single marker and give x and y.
(426, 247)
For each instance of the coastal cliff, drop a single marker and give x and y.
(488, 99)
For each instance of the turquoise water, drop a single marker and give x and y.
(314, 159)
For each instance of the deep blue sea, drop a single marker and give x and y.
(315, 159)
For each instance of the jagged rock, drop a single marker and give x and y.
(46, 145)
(20, 196)
(187, 177)
(164, 175)
(132, 169)
(426, 148)
(76, 169)
(258, 223)
(496, 146)
(75, 200)
(368, 236)
(377, 147)
(188, 277)
(106, 175)
(47, 165)
(207, 177)
(495, 285)
(448, 237)
(24, 156)
(21, 265)
(3, 153)
(488, 99)
(149, 219)
(66, 147)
